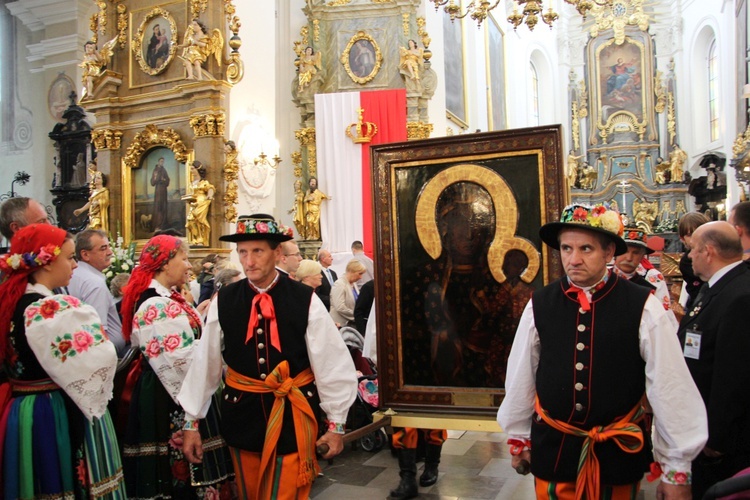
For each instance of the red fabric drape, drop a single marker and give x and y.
(387, 110)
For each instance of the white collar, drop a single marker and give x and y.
(38, 288)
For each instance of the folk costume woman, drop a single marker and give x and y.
(158, 319)
(56, 435)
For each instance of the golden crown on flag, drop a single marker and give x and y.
(361, 132)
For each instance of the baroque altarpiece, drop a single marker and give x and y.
(623, 125)
(357, 45)
(157, 76)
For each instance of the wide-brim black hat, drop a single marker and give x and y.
(259, 227)
(637, 237)
(598, 218)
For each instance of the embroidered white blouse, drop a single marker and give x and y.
(68, 340)
(166, 337)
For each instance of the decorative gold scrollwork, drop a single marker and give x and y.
(418, 130)
(231, 172)
(197, 7)
(154, 136)
(208, 124)
(106, 139)
(622, 121)
(122, 25)
(235, 66)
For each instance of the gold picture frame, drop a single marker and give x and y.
(511, 182)
(153, 56)
(147, 147)
(362, 58)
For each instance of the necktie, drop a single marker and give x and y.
(329, 276)
(354, 291)
(701, 295)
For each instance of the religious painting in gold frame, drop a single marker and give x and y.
(155, 43)
(149, 199)
(362, 58)
(458, 255)
(619, 82)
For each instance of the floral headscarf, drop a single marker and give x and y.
(157, 252)
(31, 248)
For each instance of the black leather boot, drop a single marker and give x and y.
(407, 488)
(431, 460)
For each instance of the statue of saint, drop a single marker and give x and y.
(298, 209)
(573, 168)
(198, 228)
(313, 199)
(80, 174)
(677, 163)
(98, 204)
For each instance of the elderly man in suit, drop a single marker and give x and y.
(716, 346)
(329, 277)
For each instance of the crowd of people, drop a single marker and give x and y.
(143, 387)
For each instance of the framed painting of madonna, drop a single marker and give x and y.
(459, 254)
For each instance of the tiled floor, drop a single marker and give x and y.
(474, 465)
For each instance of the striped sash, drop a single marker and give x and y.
(305, 426)
(625, 433)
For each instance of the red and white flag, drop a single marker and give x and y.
(344, 167)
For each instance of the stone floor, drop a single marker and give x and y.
(474, 465)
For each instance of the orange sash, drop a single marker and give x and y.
(305, 426)
(626, 434)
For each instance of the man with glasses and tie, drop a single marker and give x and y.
(329, 278)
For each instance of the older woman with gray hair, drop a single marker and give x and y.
(345, 292)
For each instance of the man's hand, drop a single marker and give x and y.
(666, 491)
(335, 443)
(516, 460)
(192, 447)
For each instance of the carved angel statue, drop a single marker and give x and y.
(94, 63)
(589, 175)
(644, 213)
(309, 64)
(198, 46)
(663, 174)
(411, 61)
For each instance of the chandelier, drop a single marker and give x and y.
(530, 10)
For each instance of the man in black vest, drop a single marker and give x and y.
(716, 346)
(587, 348)
(286, 361)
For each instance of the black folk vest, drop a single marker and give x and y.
(244, 415)
(590, 374)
